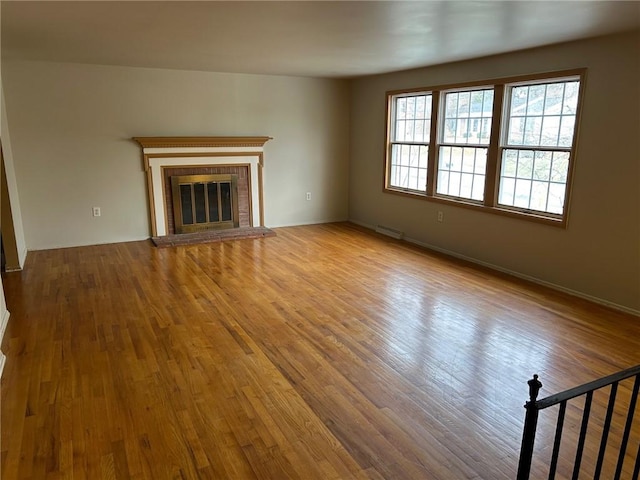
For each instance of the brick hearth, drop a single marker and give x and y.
(211, 236)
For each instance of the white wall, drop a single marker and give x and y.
(12, 186)
(71, 128)
(598, 255)
(4, 313)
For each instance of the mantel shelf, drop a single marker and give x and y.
(177, 142)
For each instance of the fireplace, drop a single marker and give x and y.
(200, 183)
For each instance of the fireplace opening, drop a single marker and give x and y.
(205, 202)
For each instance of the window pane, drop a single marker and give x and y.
(443, 182)
(463, 104)
(422, 179)
(420, 106)
(559, 167)
(454, 184)
(475, 109)
(550, 131)
(423, 157)
(467, 118)
(509, 163)
(462, 132)
(570, 104)
(466, 184)
(525, 164)
(480, 164)
(478, 188)
(409, 131)
(532, 126)
(411, 108)
(399, 131)
(468, 160)
(543, 115)
(519, 97)
(542, 165)
(567, 127)
(418, 131)
(461, 172)
(456, 159)
(401, 108)
(556, 197)
(412, 120)
(523, 193)
(404, 177)
(535, 101)
(409, 166)
(516, 131)
(553, 101)
(449, 131)
(539, 191)
(451, 103)
(533, 179)
(507, 190)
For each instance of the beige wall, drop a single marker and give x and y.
(71, 128)
(598, 255)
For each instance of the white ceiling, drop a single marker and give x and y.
(306, 38)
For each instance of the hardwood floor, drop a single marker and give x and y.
(326, 352)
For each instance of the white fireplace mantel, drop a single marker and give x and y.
(159, 153)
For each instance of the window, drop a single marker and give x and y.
(535, 158)
(411, 130)
(462, 159)
(505, 146)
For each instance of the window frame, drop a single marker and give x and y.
(497, 143)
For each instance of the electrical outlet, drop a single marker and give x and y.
(440, 216)
(308, 195)
(96, 211)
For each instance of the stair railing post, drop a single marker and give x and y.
(529, 432)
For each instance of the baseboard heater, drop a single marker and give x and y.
(389, 232)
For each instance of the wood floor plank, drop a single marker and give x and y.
(326, 352)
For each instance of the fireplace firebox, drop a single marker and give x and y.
(204, 202)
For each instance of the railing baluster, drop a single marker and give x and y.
(627, 428)
(583, 435)
(556, 442)
(605, 430)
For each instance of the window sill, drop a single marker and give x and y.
(532, 216)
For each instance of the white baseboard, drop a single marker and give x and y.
(3, 327)
(3, 324)
(22, 257)
(522, 276)
(311, 222)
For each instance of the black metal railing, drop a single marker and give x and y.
(587, 390)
